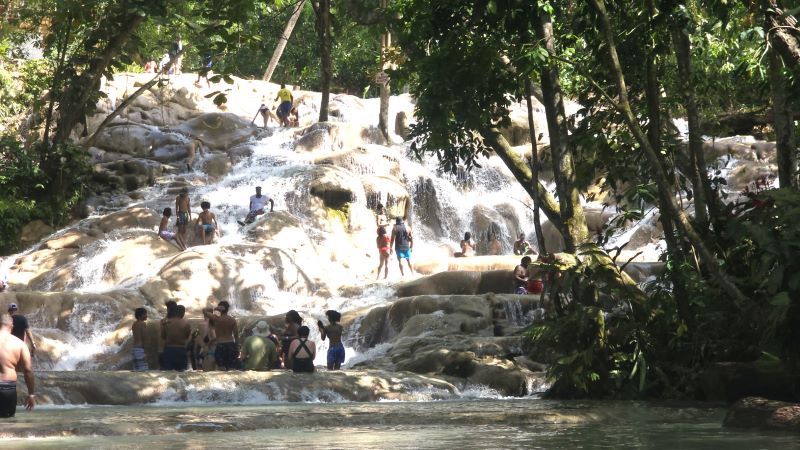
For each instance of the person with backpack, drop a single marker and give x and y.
(403, 242)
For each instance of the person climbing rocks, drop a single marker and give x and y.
(302, 352)
(467, 246)
(285, 107)
(175, 332)
(384, 250)
(226, 331)
(403, 243)
(138, 329)
(14, 357)
(257, 204)
(192, 148)
(293, 323)
(207, 221)
(521, 276)
(183, 211)
(522, 246)
(258, 351)
(333, 332)
(265, 115)
(21, 329)
(167, 235)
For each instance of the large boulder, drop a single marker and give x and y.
(760, 413)
(461, 282)
(33, 231)
(71, 239)
(219, 131)
(136, 217)
(134, 139)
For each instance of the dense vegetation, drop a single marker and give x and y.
(731, 291)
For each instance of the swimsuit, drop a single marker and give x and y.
(8, 398)
(404, 254)
(303, 364)
(174, 358)
(168, 235)
(227, 356)
(336, 354)
(208, 227)
(139, 359)
(183, 218)
(384, 247)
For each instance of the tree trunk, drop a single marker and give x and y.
(573, 224)
(383, 115)
(537, 225)
(783, 123)
(284, 39)
(681, 219)
(322, 11)
(782, 33)
(73, 102)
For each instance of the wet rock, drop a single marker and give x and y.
(458, 283)
(33, 231)
(219, 131)
(134, 139)
(313, 141)
(760, 413)
(217, 165)
(336, 187)
(130, 218)
(70, 239)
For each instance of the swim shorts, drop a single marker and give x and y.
(521, 290)
(404, 254)
(227, 356)
(139, 359)
(174, 358)
(284, 108)
(168, 235)
(208, 227)
(183, 218)
(8, 398)
(336, 354)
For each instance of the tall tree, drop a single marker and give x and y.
(322, 12)
(284, 39)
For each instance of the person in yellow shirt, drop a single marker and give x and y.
(286, 99)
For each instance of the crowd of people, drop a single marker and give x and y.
(217, 343)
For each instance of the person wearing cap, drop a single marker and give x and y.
(257, 204)
(14, 356)
(21, 329)
(183, 212)
(225, 328)
(258, 351)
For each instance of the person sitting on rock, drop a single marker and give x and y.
(138, 329)
(285, 107)
(522, 246)
(521, 276)
(384, 250)
(207, 222)
(467, 246)
(302, 352)
(258, 351)
(333, 332)
(293, 323)
(226, 331)
(257, 204)
(495, 247)
(167, 235)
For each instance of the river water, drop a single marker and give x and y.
(492, 423)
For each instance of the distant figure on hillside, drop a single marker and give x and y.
(521, 276)
(302, 352)
(176, 55)
(183, 210)
(265, 114)
(333, 332)
(285, 107)
(3, 279)
(258, 351)
(257, 204)
(150, 66)
(21, 329)
(14, 357)
(381, 219)
(403, 243)
(167, 235)
(163, 63)
(495, 247)
(204, 70)
(175, 332)
(522, 246)
(467, 246)
(207, 221)
(137, 329)
(384, 250)
(293, 323)
(225, 328)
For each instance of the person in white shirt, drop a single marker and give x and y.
(257, 204)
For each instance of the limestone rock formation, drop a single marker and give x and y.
(760, 413)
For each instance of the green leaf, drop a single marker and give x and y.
(780, 299)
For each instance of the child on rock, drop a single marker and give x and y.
(334, 332)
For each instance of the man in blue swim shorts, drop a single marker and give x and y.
(402, 243)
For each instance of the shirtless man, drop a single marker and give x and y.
(467, 246)
(175, 332)
(192, 148)
(495, 247)
(208, 223)
(521, 276)
(333, 332)
(138, 328)
(183, 209)
(14, 356)
(226, 331)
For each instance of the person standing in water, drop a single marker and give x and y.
(258, 350)
(138, 328)
(175, 331)
(183, 210)
(302, 352)
(21, 328)
(521, 276)
(333, 332)
(14, 356)
(293, 323)
(226, 331)
(384, 250)
(403, 242)
(381, 219)
(286, 98)
(257, 204)
(467, 246)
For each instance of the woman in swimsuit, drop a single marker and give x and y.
(302, 352)
(384, 250)
(293, 324)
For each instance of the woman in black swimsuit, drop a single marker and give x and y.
(302, 352)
